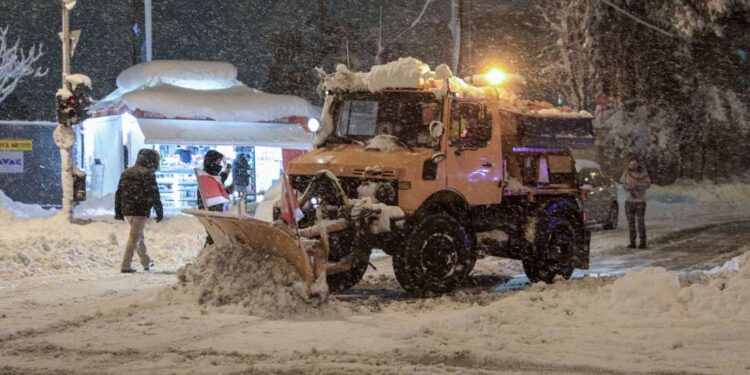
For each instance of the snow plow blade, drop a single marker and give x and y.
(260, 236)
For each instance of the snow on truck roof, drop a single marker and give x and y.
(411, 73)
(586, 164)
(199, 90)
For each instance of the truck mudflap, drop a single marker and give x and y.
(584, 250)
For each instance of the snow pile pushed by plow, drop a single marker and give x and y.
(254, 281)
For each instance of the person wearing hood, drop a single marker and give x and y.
(138, 193)
(636, 181)
(212, 165)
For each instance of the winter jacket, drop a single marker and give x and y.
(137, 191)
(241, 172)
(635, 183)
(210, 167)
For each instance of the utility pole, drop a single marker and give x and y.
(148, 26)
(71, 99)
(65, 44)
(64, 135)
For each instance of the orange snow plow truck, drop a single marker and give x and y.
(434, 171)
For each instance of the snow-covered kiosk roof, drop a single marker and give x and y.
(202, 102)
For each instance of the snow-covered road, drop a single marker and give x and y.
(111, 323)
(70, 317)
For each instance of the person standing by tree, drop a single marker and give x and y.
(137, 193)
(636, 181)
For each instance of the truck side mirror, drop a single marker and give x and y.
(437, 157)
(437, 128)
(430, 166)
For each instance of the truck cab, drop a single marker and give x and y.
(470, 174)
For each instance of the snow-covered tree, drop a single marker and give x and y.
(385, 42)
(676, 93)
(16, 64)
(572, 55)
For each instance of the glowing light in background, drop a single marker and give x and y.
(495, 76)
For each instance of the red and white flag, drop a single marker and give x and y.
(211, 188)
(290, 211)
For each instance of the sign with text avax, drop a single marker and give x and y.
(11, 162)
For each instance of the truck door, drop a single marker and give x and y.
(474, 155)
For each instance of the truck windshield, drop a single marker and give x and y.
(403, 115)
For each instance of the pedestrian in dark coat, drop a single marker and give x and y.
(241, 179)
(241, 173)
(138, 193)
(212, 165)
(636, 181)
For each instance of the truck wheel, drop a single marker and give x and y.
(342, 244)
(437, 257)
(612, 217)
(555, 245)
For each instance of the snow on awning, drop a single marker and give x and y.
(177, 131)
(202, 101)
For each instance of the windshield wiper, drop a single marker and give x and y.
(402, 143)
(345, 138)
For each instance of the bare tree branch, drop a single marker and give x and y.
(382, 46)
(15, 64)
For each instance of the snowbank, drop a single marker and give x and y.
(257, 283)
(96, 206)
(694, 199)
(651, 319)
(36, 243)
(10, 208)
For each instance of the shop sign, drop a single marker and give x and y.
(11, 162)
(16, 144)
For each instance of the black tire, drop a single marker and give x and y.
(612, 217)
(554, 248)
(438, 255)
(342, 244)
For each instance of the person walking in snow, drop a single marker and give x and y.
(636, 181)
(212, 165)
(137, 193)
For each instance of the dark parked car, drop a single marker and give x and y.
(600, 205)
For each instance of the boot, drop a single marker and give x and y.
(632, 245)
(642, 246)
